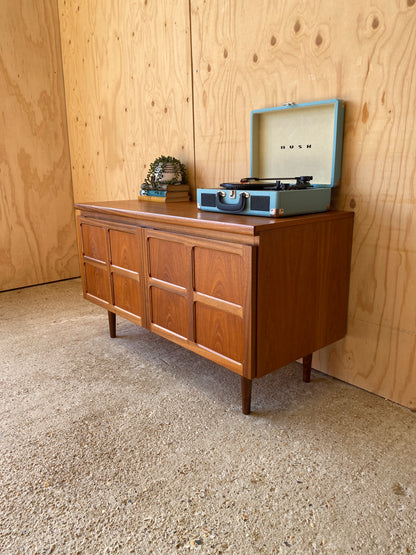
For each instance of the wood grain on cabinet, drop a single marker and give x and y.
(198, 294)
(249, 293)
(302, 290)
(111, 267)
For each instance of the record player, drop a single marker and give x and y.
(301, 143)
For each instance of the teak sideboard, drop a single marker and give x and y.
(249, 293)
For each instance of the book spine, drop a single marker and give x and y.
(162, 199)
(153, 193)
(171, 186)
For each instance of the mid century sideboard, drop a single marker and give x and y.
(250, 293)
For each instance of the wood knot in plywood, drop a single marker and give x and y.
(365, 114)
(373, 24)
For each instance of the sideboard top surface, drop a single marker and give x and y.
(187, 214)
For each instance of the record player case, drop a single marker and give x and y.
(287, 144)
(249, 293)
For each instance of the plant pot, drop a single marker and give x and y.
(167, 173)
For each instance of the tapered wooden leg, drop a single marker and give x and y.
(246, 394)
(307, 365)
(112, 323)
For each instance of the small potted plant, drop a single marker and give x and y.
(165, 170)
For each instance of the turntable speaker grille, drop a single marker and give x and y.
(260, 203)
(207, 199)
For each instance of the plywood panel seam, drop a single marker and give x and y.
(193, 94)
(65, 99)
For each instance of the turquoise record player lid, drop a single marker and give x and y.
(298, 139)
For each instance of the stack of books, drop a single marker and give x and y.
(166, 193)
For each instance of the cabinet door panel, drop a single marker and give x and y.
(199, 294)
(169, 311)
(219, 331)
(127, 295)
(94, 241)
(111, 267)
(168, 261)
(219, 274)
(124, 248)
(96, 282)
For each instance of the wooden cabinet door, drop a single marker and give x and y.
(125, 267)
(112, 267)
(200, 296)
(169, 278)
(94, 262)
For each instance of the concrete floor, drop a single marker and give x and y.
(134, 445)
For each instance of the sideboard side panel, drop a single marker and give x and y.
(302, 291)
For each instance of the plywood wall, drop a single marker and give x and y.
(37, 227)
(132, 70)
(128, 89)
(247, 57)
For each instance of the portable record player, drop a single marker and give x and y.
(296, 153)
